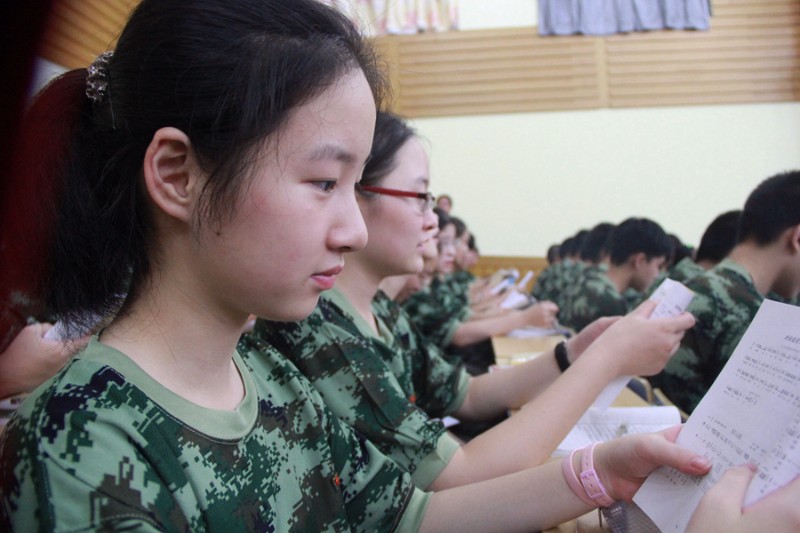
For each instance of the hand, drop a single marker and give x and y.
(720, 510)
(642, 346)
(623, 464)
(541, 314)
(577, 344)
(31, 359)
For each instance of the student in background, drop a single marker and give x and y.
(378, 373)
(717, 241)
(445, 203)
(639, 250)
(765, 260)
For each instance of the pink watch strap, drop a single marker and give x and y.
(572, 480)
(591, 481)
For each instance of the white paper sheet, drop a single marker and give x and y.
(673, 298)
(751, 414)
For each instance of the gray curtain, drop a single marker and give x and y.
(605, 17)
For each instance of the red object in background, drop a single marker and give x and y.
(24, 224)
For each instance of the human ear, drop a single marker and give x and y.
(794, 239)
(171, 174)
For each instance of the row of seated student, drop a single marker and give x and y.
(744, 256)
(202, 197)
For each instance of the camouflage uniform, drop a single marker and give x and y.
(386, 386)
(591, 297)
(724, 304)
(104, 446)
(437, 312)
(460, 283)
(557, 280)
(685, 270)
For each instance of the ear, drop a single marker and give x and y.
(171, 174)
(638, 260)
(794, 239)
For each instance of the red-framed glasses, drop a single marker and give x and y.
(428, 203)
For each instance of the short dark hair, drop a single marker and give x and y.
(596, 243)
(567, 248)
(771, 208)
(638, 235)
(226, 73)
(680, 250)
(553, 253)
(719, 238)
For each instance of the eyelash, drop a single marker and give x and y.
(325, 185)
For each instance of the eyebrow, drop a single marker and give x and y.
(330, 151)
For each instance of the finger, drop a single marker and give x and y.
(729, 491)
(645, 309)
(665, 453)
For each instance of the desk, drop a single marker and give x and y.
(511, 346)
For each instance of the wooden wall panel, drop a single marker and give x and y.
(79, 30)
(751, 54)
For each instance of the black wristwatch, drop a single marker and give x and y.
(561, 356)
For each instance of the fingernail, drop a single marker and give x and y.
(750, 466)
(701, 463)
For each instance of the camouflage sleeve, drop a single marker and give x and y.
(694, 367)
(588, 300)
(442, 385)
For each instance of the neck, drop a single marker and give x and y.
(359, 284)
(180, 339)
(761, 262)
(620, 276)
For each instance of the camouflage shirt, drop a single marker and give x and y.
(104, 446)
(437, 312)
(685, 270)
(386, 386)
(554, 281)
(592, 296)
(724, 304)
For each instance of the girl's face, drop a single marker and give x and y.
(399, 227)
(447, 249)
(298, 216)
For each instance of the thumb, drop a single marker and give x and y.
(729, 491)
(645, 309)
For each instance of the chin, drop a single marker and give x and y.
(293, 313)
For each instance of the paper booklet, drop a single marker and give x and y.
(673, 298)
(751, 414)
(602, 425)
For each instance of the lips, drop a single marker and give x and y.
(326, 279)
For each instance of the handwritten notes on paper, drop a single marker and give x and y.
(751, 414)
(673, 298)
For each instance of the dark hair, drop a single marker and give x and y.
(638, 235)
(228, 74)
(679, 250)
(567, 248)
(472, 244)
(391, 133)
(553, 253)
(719, 238)
(444, 218)
(461, 227)
(771, 208)
(595, 246)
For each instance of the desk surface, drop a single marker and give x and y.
(511, 346)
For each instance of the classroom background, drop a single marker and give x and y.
(693, 123)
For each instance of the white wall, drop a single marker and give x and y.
(478, 14)
(524, 181)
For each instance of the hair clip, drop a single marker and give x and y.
(97, 79)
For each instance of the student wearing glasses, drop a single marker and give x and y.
(378, 373)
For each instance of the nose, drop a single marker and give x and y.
(349, 231)
(430, 220)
